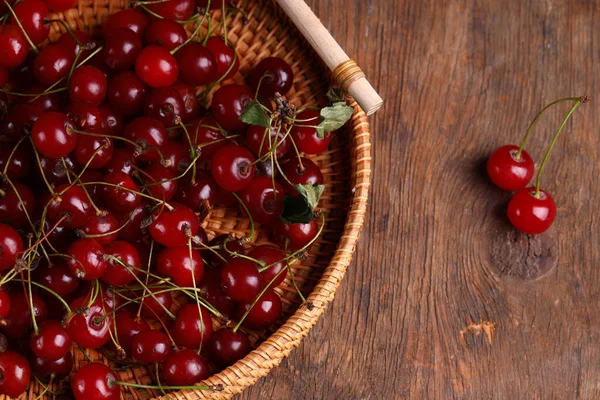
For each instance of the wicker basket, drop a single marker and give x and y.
(264, 32)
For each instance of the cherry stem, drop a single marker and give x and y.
(67, 29)
(196, 295)
(46, 388)
(537, 117)
(141, 386)
(149, 264)
(251, 237)
(212, 250)
(39, 163)
(578, 102)
(169, 207)
(12, 12)
(293, 279)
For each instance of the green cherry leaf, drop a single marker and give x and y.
(301, 209)
(333, 118)
(255, 114)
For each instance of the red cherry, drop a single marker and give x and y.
(88, 84)
(190, 101)
(264, 199)
(112, 122)
(91, 328)
(509, 172)
(171, 228)
(175, 262)
(92, 180)
(95, 381)
(67, 40)
(60, 5)
(306, 138)
(228, 104)
(121, 161)
(14, 372)
(20, 161)
(156, 66)
(52, 63)
(269, 255)
(176, 10)
(130, 19)
(300, 174)
(121, 49)
(126, 92)
(276, 76)
(125, 197)
(232, 167)
(73, 204)
(212, 290)
(165, 104)
(149, 134)
(214, 4)
(20, 120)
(208, 136)
(166, 33)
(185, 368)
(18, 319)
(103, 228)
(32, 15)
(47, 102)
(241, 280)
(160, 181)
(56, 370)
(53, 136)
(197, 64)
(59, 279)
(87, 151)
(56, 171)
(198, 195)
(224, 57)
(16, 204)
(531, 214)
(154, 305)
(132, 221)
(226, 346)
(52, 343)
(150, 347)
(294, 236)
(192, 329)
(86, 259)
(178, 156)
(5, 303)
(117, 274)
(265, 312)
(127, 326)
(261, 140)
(4, 76)
(11, 245)
(13, 46)
(87, 117)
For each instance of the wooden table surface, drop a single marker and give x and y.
(444, 300)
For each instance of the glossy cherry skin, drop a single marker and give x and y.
(121, 49)
(156, 66)
(20, 161)
(178, 156)
(52, 63)
(154, 305)
(276, 75)
(94, 151)
(197, 64)
(265, 312)
(175, 262)
(531, 214)
(190, 101)
(90, 329)
(185, 368)
(130, 19)
(18, 319)
(228, 104)
(84, 38)
(294, 236)
(88, 84)
(171, 228)
(11, 245)
(160, 181)
(306, 138)
(132, 221)
(87, 117)
(13, 46)
(5, 304)
(117, 274)
(150, 347)
(71, 203)
(509, 172)
(86, 259)
(190, 330)
(241, 280)
(94, 381)
(103, 228)
(208, 136)
(60, 5)
(53, 136)
(260, 141)
(121, 161)
(212, 290)
(214, 4)
(230, 248)
(52, 342)
(224, 57)
(14, 373)
(273, 257)
(32, 15)
(175, 10)
(226, 346)
(16, 204)
(125, 197)
(45, 370)
(300, 174)
(198, 195)
(149, 134)
(165, 104)
(128, 325)
(232, 167)
(126, 92)
(60, 279)
(47, 102)
(166, 33)
(264, 199)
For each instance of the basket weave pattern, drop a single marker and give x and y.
(346, 167)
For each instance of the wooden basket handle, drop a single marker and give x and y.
(346, 74)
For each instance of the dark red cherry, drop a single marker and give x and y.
(154, 305)
(5, 303)
(60, 237)
(241, 280)
(149, 134)
(103, 228)
(88, 84)
(89, 329)
(294, 236)
(32, 15)
(172, 228)
(56, 170)
(185, 368)
(224, 57)
(130, 19)
(264, 199)
(150, 347)
(272, 75)
(207, 136)
(56, 370)
(300, 174)
(197, 64)
(59, 279)
(192, 328)
(232, 167)
(121, 161)
(124, 197)
(48, 101)
(52, 63)
(228, 104)
(18, 319)
(16, 204)
(273, 257)
(227, 247)
(127, 326)
(509, 172)
(211, 289)
(266, 168)
(306, 138)
(176, 10)
(265, 312)
(52, 342)
(20, 161)
(175, 262)
(53, 136)
(87, 117)
(178, 156)
(95, 381)
(190, 101)
(11, 245)
(13, 46)
(121, 49)
(530, 213)
(261, 140)
(14, 373)
(72, 203)
(116, 273)
(20, 120)
(132, 221)
(92, 179)
(166, 33)
(214, 4)
(160, 181)
(226, 346)
(84, 38)
(86, 259)
(156, 66)
(126, 92)
(199, 195)
(94, 151)
(112, 122)
(166, 105)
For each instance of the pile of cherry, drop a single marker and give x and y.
(110, 159)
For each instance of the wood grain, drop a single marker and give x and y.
(443, 299)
